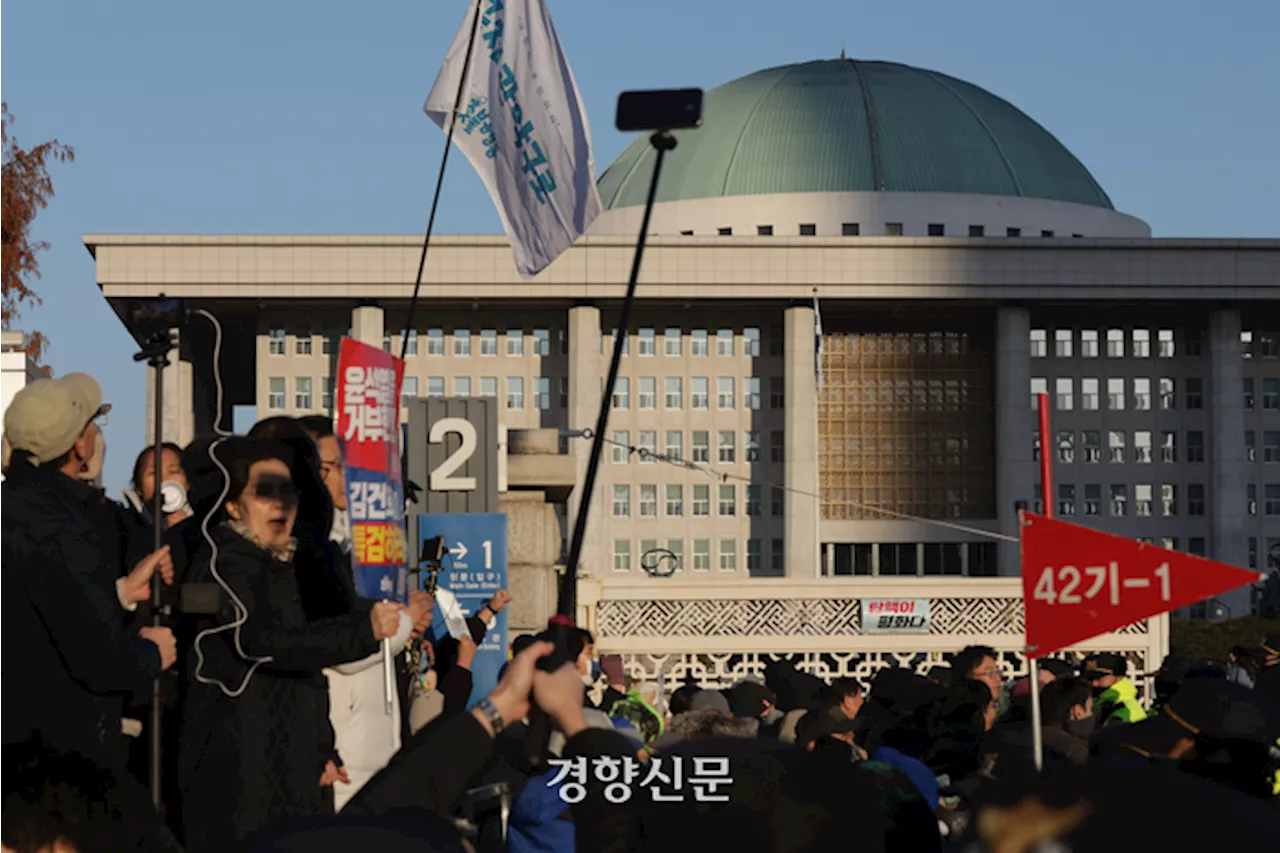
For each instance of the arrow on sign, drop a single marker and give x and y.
(1079, 583)
(459, 551)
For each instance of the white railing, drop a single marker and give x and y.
(717, 633)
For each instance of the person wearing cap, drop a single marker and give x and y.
(1115, 696)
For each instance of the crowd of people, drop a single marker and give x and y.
(277, 735)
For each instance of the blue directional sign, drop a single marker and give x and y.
(474, 568)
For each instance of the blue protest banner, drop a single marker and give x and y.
(474, 568)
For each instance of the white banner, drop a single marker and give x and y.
(522, 125)
(895, 615)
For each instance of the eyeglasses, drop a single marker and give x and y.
(986, 673)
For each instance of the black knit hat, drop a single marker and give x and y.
(1102, 665)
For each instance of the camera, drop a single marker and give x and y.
(659, 109)
(151, 319)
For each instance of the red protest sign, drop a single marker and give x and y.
(1078, 583)
(368, 407)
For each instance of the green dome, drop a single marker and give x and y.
(844, 125)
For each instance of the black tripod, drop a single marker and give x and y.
(155, 353)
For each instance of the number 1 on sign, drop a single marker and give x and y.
(487, 547)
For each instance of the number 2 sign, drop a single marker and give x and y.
(1079, 582)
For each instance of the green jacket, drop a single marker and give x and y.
(1118, 704)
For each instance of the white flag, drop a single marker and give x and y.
(817, 342)
(522, 125)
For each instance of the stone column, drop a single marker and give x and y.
(585, 381)
(367, 324)
(178, 421)
(1228, 518)
(802, 512)
(1016, 470)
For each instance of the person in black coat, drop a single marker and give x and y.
(258, 746)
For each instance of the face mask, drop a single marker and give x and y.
(173, 497)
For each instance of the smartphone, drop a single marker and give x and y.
(659, 109)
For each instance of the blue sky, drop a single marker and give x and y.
(305, 117)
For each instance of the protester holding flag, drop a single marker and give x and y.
(258, 745)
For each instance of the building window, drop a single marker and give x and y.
(673, 392)
(764, 230)
(542, 342)
(1251, 498)
(1271, 499)
(515, 342)
(648, 501)
(1089, 394)
(1092, 444)
(1067, 447)
(1039, 385)
(698, 345)
(1253, 553)
(1271, 446)
(622, 555)
(701, 500)
(435, 386)
(893, 229)
(1169, 446)
(1195, 499)
(728, 504)
(275, 393)
(725, 232)
(462, 386)
(1271, 394)
(1013, 232)
(1141, 394)
(1246, 344)
(753, 500)
(647, 445)
(1092, 499)
(725, 446)
(977, 231)
(702, 555)
(1063, 343)
(1088, 343)
(724, 342)
(1115, 446)
(1065, 393)
(646, 342)
(1142, 446)
(701, 446)
(1046, 233)
(777, 449)
(302, 344)
(849, 229)
(515, 392)
(1247, 385)
(1038, 494)
(753, 556)
(542, 393)
(1169, 499)
(671, 341)
(1164, 343)
(622, 393)
(409, 390)
(1250, 445)
(646, 393)
(1115, 343)
(1119, 497)
(1141, 343)
(751, 342)
(302, 393)
(674, 448)
(621, 446)
(1066, 499)
(1195, 546)
(751, 392)
(698, 393)
(937, 229)
(1195, 445)
(275, 342)
(564, 392)
(777, 560)
(777, 502)
(1268, 344)
(489, 342)
(326, 394)
(435, 342)
(725, 397)
(751, 444)
(461, 342)
(489, 386)
(675, 500)
(386, 342)
(1035, 445)
(728, 555)
(1168, 398)
(808, 230)
(621, 501)
(1039, 343)
(1195, 393)
(1115, 394)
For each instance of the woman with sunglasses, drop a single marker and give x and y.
(257, 742)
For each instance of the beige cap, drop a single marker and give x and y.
(45, 418)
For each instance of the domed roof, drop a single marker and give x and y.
(845, 125)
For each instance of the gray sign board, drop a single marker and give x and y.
(452, 454)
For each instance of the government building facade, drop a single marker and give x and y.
(961, 259)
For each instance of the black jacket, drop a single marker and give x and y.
(70, 661)
(252, 759)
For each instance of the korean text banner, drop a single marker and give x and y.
(522, 125)
(368, 427)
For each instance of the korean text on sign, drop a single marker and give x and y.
(665, 777)
(369, 406)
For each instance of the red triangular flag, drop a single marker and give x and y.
(1079, 583)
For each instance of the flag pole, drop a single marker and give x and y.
(444, 161)
(1046, 498)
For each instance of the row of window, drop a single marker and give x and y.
(726, 342)
(891, 229)
(541, 400)
(646, 446)
(1145, 500)
(1089, 449)
(727, 500)
(1119, 396)
(1139, 340)
(673, 393)
(727, 554)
